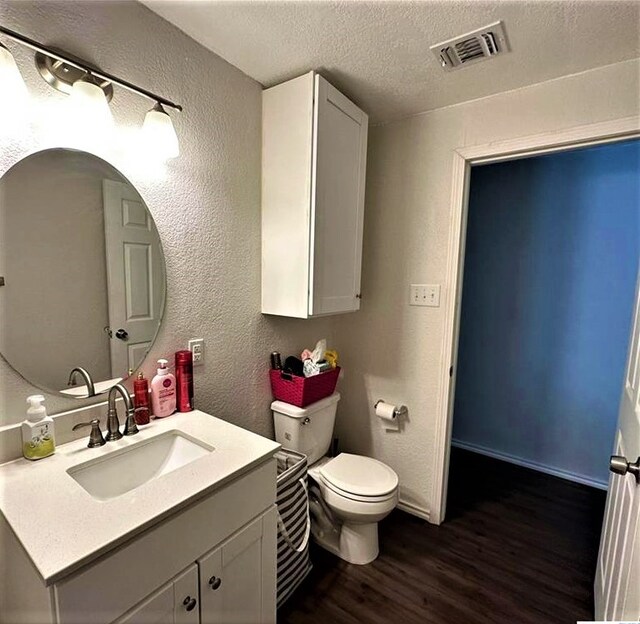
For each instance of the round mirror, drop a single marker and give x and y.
(82, 275)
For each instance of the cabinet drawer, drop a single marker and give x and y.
(103, 591)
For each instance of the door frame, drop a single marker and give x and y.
(463, 158)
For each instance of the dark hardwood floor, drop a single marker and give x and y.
(518, 547)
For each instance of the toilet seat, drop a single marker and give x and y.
(355, 497)
(359, 478)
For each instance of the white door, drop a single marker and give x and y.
(337, 204)
(617, 583)
(134, 276)
(174, 603)
(238, 578)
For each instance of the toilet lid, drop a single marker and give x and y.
(360, 475)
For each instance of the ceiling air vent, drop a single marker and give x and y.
(479, 45)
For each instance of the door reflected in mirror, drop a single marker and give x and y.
(83, 271)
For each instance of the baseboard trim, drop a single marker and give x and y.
(414, 510)
(512, 459)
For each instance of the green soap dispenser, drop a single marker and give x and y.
(38, 439)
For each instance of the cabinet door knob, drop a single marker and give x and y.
(190, 603)
(215, 582)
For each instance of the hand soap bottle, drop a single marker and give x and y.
(163, 391)
(38, 438)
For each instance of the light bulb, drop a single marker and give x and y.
(158, 133)
(90, 112)
(14, 92)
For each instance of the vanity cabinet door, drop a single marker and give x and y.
(174, 603)
(238, 578)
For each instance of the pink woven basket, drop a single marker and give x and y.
(302, 391)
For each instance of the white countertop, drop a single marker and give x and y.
(62, 527)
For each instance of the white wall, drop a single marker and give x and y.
(206, 205)
(393, 351)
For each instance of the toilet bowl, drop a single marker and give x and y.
(356, 491)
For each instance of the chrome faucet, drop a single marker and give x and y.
(91, 390)
(113, 424)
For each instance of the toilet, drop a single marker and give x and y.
(349, 494)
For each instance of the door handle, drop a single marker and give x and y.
(621, 466)
(122, 334)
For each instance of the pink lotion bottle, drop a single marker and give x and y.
(163, 391)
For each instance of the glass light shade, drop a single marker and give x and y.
(90, 109)
(13, 91)
(159, 135)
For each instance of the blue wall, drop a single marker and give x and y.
(550, 272)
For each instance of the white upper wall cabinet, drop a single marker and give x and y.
(314, 148)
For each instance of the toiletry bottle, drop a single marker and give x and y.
(38, 438)
(184, 380)
(276, 362)
(141, 400)
(163, 391)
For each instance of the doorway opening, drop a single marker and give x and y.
(616, 130)
(551, 256)
(550, 270)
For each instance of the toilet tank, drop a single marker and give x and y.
(308, 429)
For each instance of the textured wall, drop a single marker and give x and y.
(393, 351)
(206, 204)
(550, 274)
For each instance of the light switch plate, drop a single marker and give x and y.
(425, 295)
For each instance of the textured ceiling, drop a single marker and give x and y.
(378, 52)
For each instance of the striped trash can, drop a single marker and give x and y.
(294, 522)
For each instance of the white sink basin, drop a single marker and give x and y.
(117, 473)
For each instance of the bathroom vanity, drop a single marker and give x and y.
(176, 524)
(173, 524)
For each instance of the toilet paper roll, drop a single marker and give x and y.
(387, 413)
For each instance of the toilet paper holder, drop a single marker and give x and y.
(399, 410)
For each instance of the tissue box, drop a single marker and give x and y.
(302, 391)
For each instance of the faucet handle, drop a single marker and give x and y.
(130, 427)
(95, 437)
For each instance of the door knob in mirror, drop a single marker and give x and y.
(122, 334)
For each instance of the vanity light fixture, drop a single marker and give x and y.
(90, 109)
(91, 89)
(159, 133)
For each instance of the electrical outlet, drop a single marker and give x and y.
(196, 346)
(424, 295)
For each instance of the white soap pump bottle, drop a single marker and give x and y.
(163, 391)
(38, 435)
